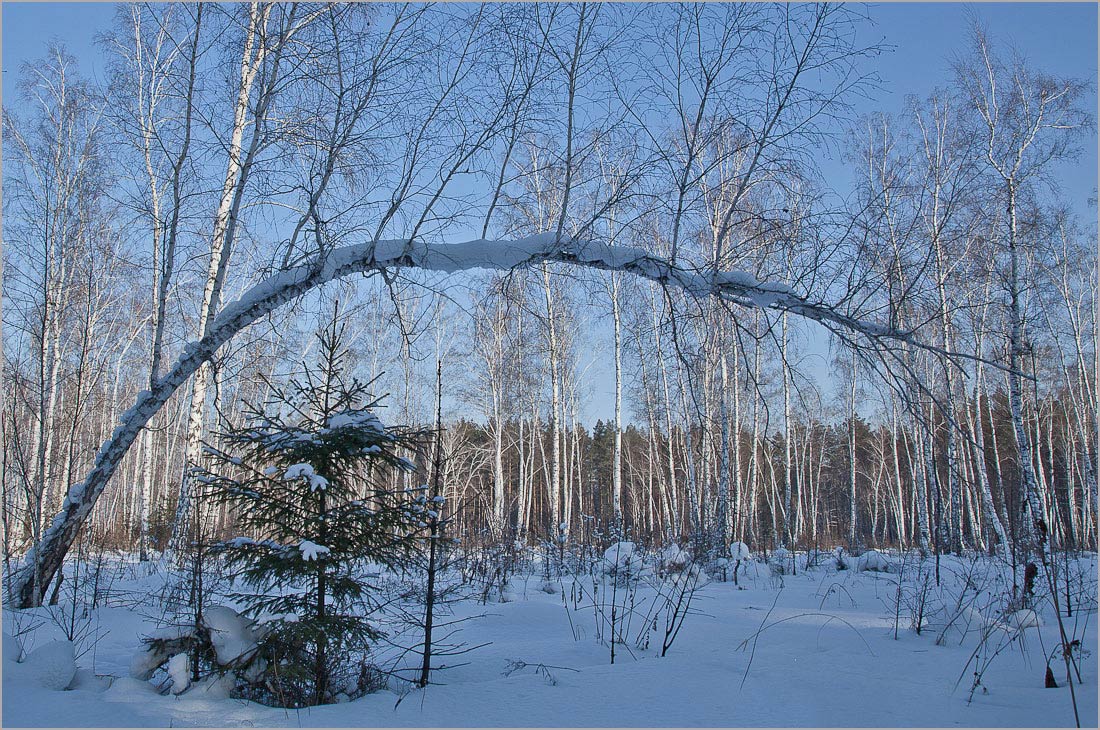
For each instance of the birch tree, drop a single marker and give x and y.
(1026, 121)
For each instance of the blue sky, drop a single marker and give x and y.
(1061, 38)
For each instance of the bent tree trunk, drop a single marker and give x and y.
(734, 287)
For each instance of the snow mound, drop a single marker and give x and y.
(1023, 619)
(674, 559)
(51, 665)
(230, 633)
(873, 561)
(217, 687)
(129, 689)
(622, 560)
(88, 680)
(691, 576)
(145, 662)
(753, 570)
(739, 551)
(179, 671)
(619, 552)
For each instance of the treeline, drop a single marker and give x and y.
(669, 493)
(657, 505)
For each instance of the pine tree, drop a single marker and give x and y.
(302, 479)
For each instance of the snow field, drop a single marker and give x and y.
(815, 648)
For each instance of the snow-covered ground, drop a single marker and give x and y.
(813, 649)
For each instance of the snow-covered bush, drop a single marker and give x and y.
(161, 646)
(752, 570)
(491, 568)
(224, 643)
(739, 551)
(741, 565)
(673, 560)
(723, 568)
(720, 569)
(622, 561)
(779, 562)
(873, 561)
(841, 558)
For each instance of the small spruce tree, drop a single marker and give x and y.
(302, 479)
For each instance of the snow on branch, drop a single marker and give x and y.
(266, 296)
